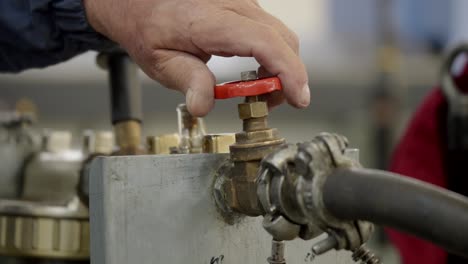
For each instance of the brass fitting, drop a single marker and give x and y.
(218, 143)
(252, 144)
(128, 137)
(163, 144)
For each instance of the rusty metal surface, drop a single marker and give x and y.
(160, 209)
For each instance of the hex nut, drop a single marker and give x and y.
(252, 110)
(257, 136)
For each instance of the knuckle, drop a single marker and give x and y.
(201, 29)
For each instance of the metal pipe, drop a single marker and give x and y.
(125, 93)
(424, 210)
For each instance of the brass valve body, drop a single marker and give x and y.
(252, 144)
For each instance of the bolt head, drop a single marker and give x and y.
(252, 110)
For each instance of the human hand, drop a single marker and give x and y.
(171, 40)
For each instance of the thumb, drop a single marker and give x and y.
(188, 74)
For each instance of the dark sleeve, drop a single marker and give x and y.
(39, 33)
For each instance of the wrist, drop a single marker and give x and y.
(109, 19)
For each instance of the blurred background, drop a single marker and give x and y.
(370, 64)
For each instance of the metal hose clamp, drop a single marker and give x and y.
(290, 185)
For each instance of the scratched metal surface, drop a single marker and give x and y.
(158, 209)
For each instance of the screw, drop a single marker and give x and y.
(250, 76)
(364, 255)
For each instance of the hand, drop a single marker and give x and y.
(171, 40)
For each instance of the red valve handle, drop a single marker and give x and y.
(247, 88)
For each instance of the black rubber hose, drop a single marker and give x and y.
(125, 88)
(409, 205)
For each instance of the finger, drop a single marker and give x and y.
(230, 33)
(263, 73)
(187, 74)
(273, 99)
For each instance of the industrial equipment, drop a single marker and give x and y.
(41, 216)
(195, 197)
(209, 204)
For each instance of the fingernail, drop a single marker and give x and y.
(197, 104)
(305, 96)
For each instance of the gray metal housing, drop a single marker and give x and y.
(159, 209)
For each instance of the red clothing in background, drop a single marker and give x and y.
(421, 155)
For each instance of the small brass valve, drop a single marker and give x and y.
(252, 144)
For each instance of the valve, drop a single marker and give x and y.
(257, 140)
(283, 182)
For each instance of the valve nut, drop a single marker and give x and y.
(257, 136)
(252, 110)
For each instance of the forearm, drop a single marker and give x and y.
(39, 33)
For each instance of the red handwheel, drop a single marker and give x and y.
(247, 88)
